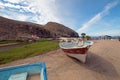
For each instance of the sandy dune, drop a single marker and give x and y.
(103, 63)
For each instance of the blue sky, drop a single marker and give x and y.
(93, 17)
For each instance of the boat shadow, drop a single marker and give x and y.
(98, 64)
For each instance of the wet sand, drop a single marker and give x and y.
(103, 63)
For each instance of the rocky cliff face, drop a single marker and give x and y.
(12, 29)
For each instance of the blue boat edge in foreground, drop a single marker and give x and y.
(43, 74)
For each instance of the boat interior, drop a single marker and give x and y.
(74, 44)
(25, 76)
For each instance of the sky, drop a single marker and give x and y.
(93, 17)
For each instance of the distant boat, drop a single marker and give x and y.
(75, 49)
(36, 71)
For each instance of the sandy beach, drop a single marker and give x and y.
(103, 63)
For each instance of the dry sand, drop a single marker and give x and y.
(34, 77)
(103, 63)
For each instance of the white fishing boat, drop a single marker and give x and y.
(76, 49)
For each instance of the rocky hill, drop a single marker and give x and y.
(12, 29)
(60, 30)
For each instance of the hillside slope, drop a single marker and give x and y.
(12, 29)
(60, 30)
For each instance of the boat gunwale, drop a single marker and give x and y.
(77, 47)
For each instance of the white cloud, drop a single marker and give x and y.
(12, 15)
(46, 9)
(9, 5)
(14, 1)
(4, 15)
(97, 17)
(42, 11)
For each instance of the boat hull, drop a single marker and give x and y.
(76, 50)
(78, 53)
(80, 57)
